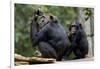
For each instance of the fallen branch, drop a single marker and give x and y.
(32, 60)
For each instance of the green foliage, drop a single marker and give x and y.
(88, 13)
(23, 14)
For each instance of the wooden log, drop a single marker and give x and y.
(33, 60)
(21, 63)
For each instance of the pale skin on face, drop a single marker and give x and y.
(43, 20)
(73, 30)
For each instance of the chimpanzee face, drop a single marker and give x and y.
(75, 27)
(73, 30)
(42, 20)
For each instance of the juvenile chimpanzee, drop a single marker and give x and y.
(52, 39)
(79, 42)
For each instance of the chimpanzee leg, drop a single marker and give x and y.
(71, 48)
(47, 50)
(77, 53)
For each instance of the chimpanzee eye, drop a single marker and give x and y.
(43, 16)
(42, 20)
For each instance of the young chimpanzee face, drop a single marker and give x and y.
(73, 29)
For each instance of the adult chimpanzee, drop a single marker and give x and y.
(35, 26)
(79, 42)
(52, 39)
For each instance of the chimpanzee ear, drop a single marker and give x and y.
(53, 19)
(80, 25)
(70, 28)
(38, 12)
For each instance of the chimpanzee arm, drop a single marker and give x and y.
(74, 42)
(41, 35)
(33, 31)
(77, 36)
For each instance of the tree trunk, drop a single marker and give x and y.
(88, 26)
